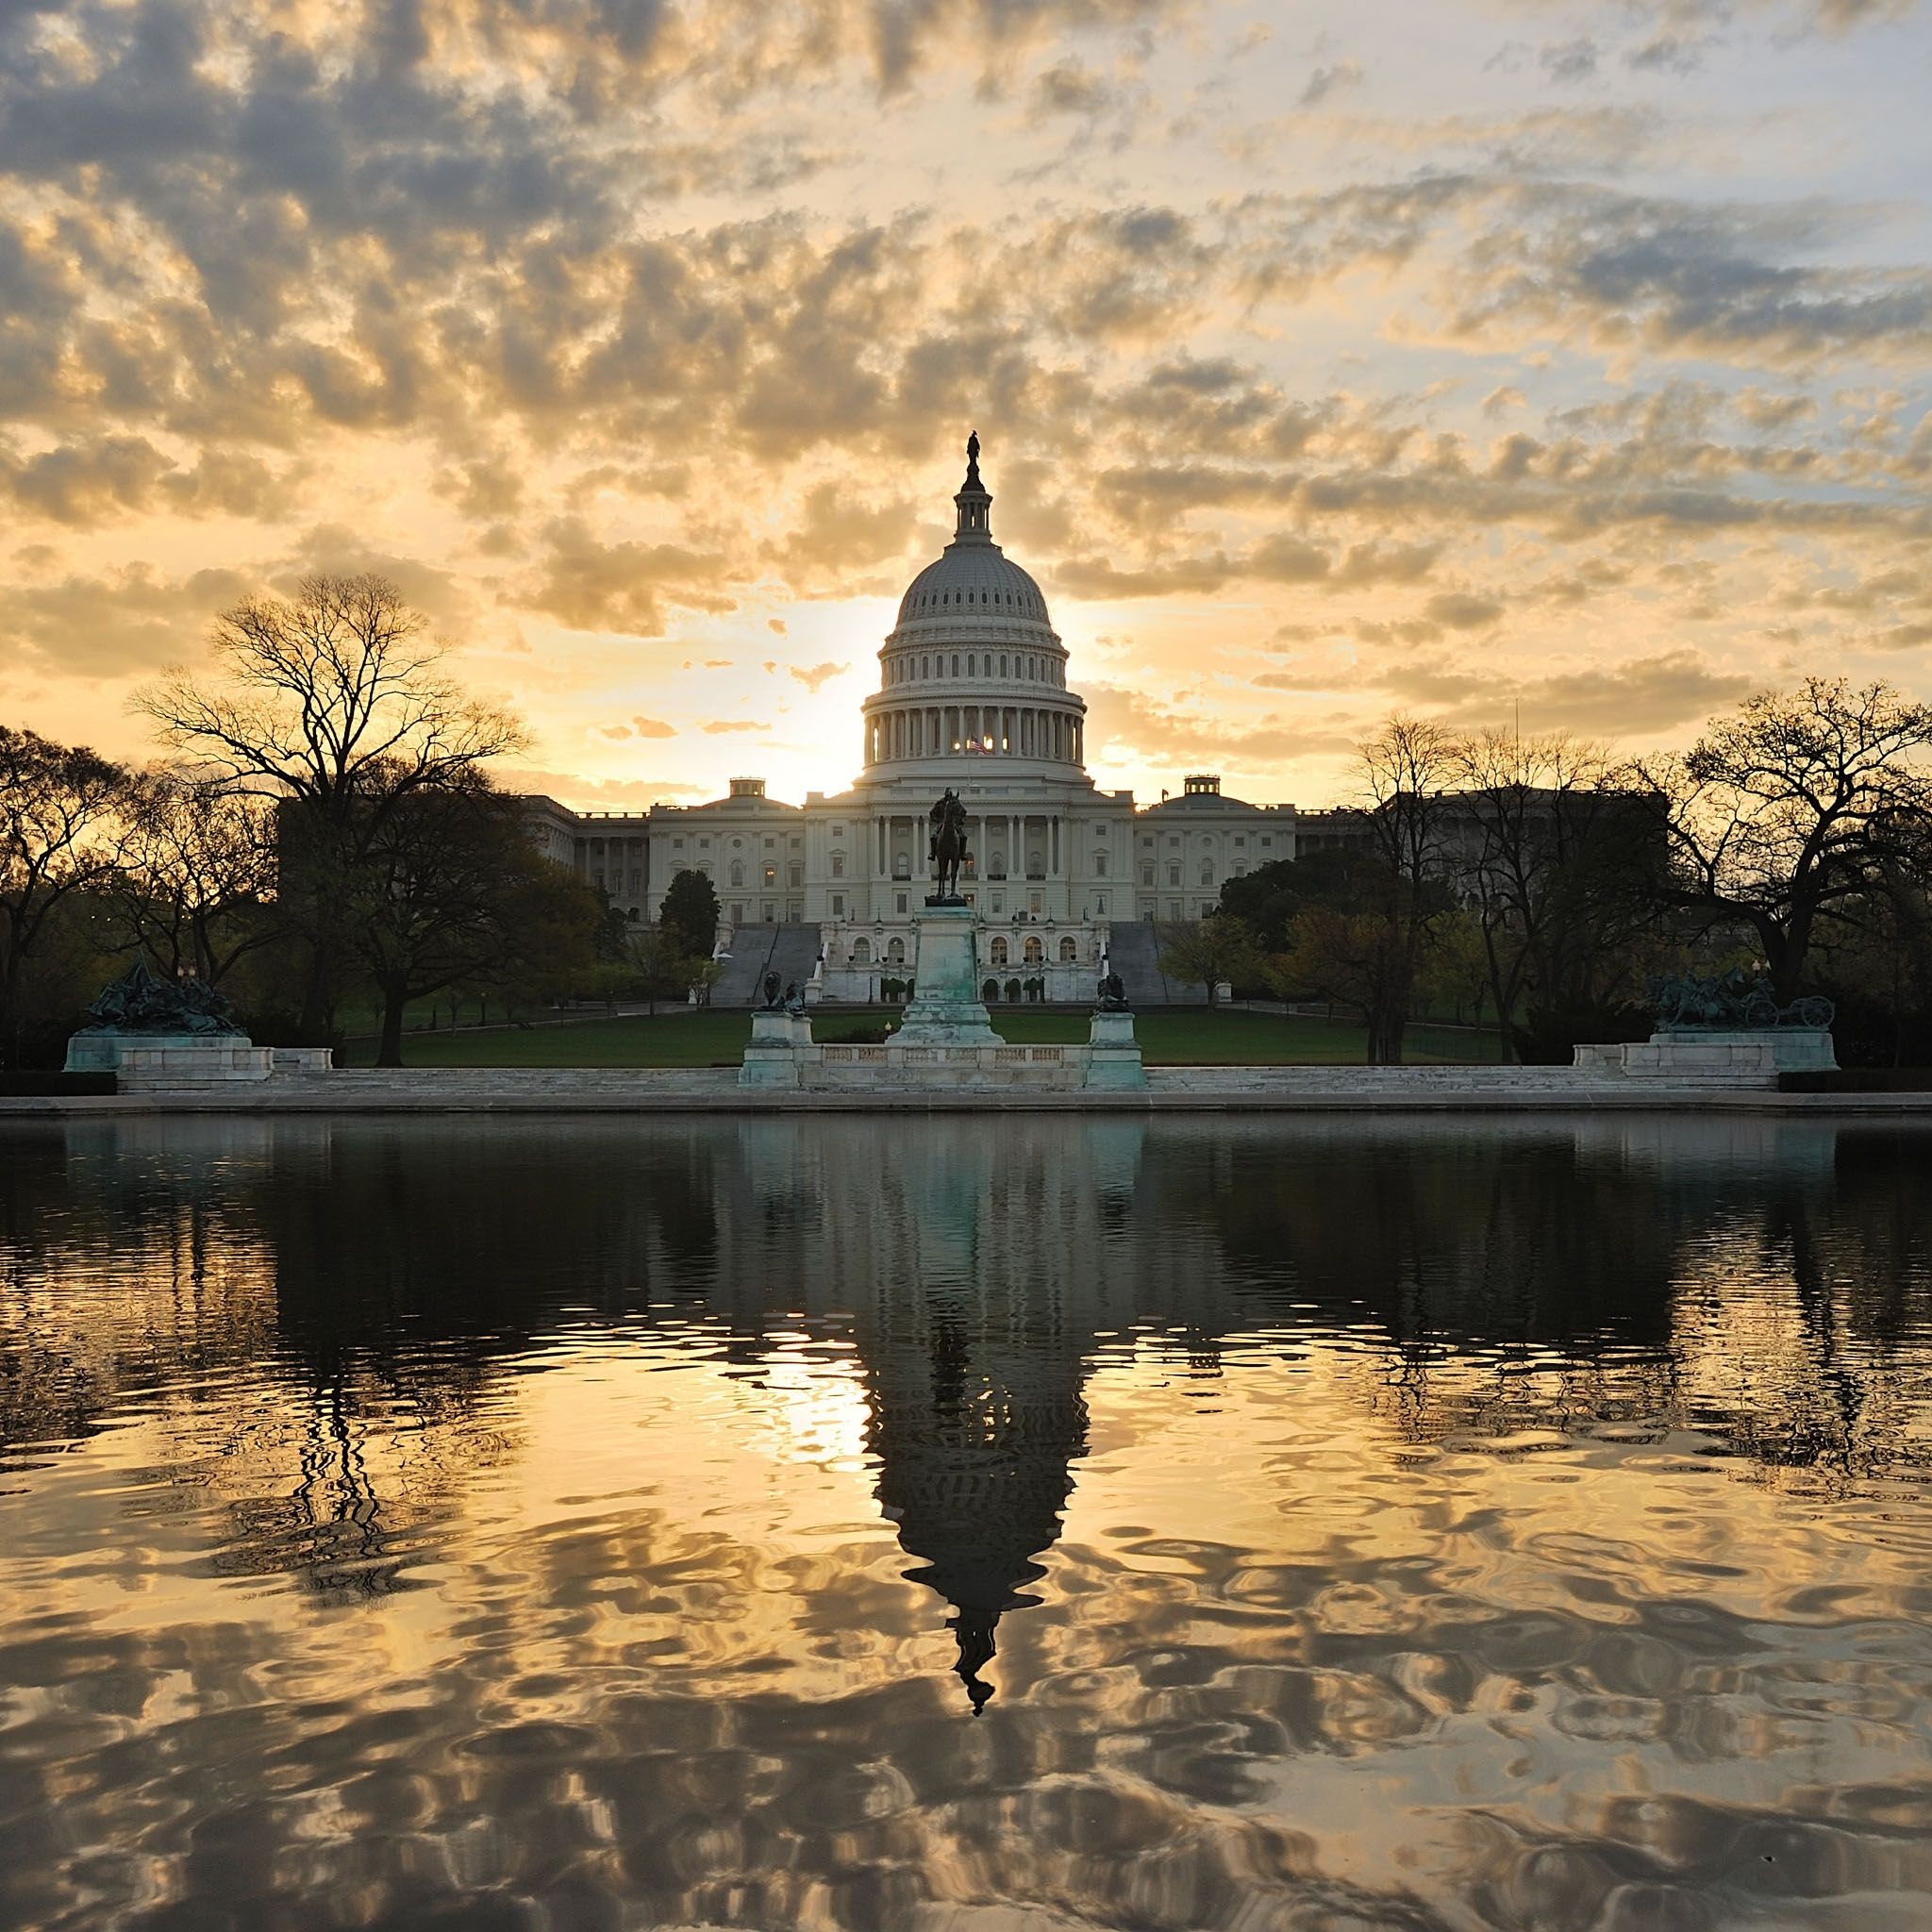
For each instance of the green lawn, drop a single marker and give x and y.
(1182, 1037)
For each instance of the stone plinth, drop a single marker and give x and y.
(149, 1061)
(1113, 1055)
(1699, 1058)
(1793, 1049)
(946, 1009)
(190, 1059)
(302, 1062)
(142, 1059)
(773, 1058)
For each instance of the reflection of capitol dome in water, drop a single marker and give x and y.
(979, 1270)
(976, 1435)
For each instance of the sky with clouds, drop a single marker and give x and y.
(1485, 361)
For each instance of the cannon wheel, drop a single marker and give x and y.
(1813, 1012)
(1760, 1010)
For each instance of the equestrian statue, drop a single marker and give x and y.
(948, 848)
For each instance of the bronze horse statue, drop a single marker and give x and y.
(948, 848)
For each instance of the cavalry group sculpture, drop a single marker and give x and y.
(1730, 1002)
(141, 1002)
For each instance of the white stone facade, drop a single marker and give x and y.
(973, 694)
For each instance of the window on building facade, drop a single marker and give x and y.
(837, 865)
(1146, 874)
(899, 902)
(838, 904)
(1100, 906)
(861, 952)
(1069, 952)
(1174, 875)
(738, 915)
(738, 871)
(1100, 865)
(1207, 871)
(770, 875)
(1035, 953)
(797, 876)
(997, 954)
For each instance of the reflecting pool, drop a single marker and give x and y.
(966, 1524)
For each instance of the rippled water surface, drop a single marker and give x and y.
(1332, 1526)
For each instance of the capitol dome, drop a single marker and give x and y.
(973, 668)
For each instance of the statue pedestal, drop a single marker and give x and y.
(771, 1059)
(1715, 1057)
(169, 1059)
(946, 1009)
(1113, 1055)
(142, 1062)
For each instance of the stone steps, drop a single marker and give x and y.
(1134, 952)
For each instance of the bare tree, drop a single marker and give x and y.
(1793, 806)
(196, 868)
(1404, 772)
(59, 807)
(435, 895)
(1562, 856)
(337, 707)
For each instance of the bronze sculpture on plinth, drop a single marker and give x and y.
(947, 850)
(143, 1003)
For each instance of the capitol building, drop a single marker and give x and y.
(973, 694)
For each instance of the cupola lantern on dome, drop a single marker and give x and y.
(975, 501)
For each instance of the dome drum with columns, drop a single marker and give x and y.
(973, 694)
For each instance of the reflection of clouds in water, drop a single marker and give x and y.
(1377, 1493)
(617, 1723)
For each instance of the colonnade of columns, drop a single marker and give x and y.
(1014, 856)
(1009, 730)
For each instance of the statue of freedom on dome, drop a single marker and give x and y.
(948, 848)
